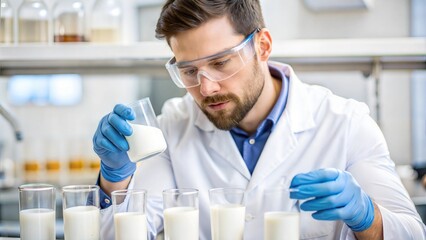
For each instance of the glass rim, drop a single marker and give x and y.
(36, 187)
(124, 192)
(182, 191)
(78, 188)
(137, 102)
(279, 189)
(282, 213)
(227, 190)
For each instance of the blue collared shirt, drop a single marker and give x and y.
(251, 147)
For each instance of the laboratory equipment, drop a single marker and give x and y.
(33, 22)
(6, 22)
(106, 21)
(69, 21)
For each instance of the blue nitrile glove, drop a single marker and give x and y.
(111, 146)
(334, 195)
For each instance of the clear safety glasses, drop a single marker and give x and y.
(217, 67)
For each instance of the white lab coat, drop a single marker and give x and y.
(317, 130)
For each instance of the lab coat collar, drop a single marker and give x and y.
(299, 110)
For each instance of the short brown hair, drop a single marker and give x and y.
(181, 15)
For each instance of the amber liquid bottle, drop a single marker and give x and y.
(69, 21)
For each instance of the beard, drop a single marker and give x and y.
(225, 120)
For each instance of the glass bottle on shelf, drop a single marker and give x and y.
(33, 22)
(6, 22)
(106, 21)
(69, 21)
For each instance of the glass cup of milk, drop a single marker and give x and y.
(181, 214)
(37, 211)
(227, 213)
(129, 214)
(81, 212)
(281, 215)
(147, 139)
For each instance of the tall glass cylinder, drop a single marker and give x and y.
(6, 22)
(81, 212)
(227, 213)
(37, 212)
(129, 214)
(181, 214)
(69, 21)
(33, 22)
(106, 21)
(281, 215)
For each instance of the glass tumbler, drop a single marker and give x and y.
(129, 214)
(37, 212)
(181, 214)
(81, 212)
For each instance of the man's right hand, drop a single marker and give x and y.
(111, 146)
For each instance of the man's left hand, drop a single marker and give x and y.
(334, 195)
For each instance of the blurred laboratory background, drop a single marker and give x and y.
(65, 63)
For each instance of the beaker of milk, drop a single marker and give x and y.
(147, 139)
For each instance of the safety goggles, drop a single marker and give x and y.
(217, 67)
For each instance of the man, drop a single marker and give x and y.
(250, 123)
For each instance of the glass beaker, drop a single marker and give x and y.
(33, 22)
(106, 21)
(227, 213)
(281, 214)
(181, 214)
(129, 214)
(6, 22)
(81, 212)
(37, 211)
(69, 23)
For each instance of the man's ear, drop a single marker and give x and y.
(264, 41)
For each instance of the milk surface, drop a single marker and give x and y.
(130, 226)
(144, 142)
(81, 223)
(37, 224)
(281, 225)
(227, 221)
(181, 223)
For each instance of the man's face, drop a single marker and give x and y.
(226, 102)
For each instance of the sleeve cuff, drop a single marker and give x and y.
(105, 200)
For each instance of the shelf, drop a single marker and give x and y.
(344, 54)
(33, 58)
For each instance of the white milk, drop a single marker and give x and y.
(144, 142)
(81, 223)
(130, 226)
(181, 223)
(227, 221)
(281, 225)
(37, 224)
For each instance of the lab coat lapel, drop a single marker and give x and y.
(223, 144)
(296, 118)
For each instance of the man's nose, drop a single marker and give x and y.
(208, 87)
